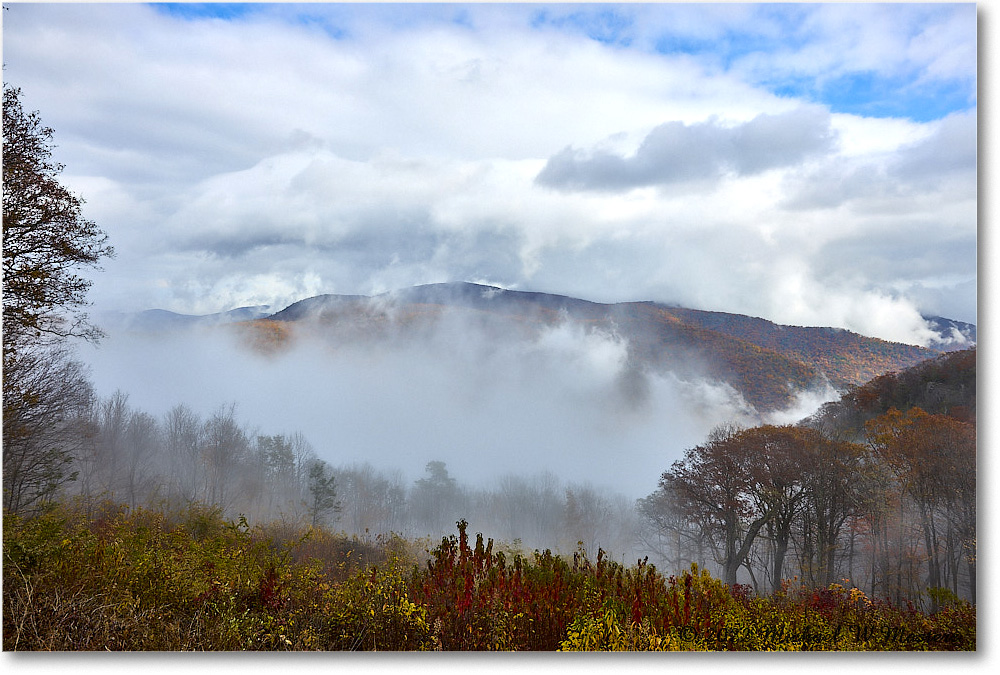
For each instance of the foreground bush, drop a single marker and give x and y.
(96, 577)
(137, 580)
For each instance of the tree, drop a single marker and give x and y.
(183, 442)
(276, 456)
(742, 486)
(142, 438)
(375, 503)
(933, 460)
(45, 236)
(45, 400)
(436, 499)
(778, 482)
(45, 240)
(587, 517)
(323, 490)
(668, 533)
(226, 446)
(114, 416)
(840, 483)
(714, 485)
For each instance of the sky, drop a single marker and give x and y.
(813, 164)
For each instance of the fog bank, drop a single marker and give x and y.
(566, 400)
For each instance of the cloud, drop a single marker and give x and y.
(675, 152)
(949, 154)
(914, 61)
(293, 150)
(938, 169)
(486, 404)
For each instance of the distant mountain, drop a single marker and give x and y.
(952, 335)
(766, 362)
(845, 358)
(159, 320)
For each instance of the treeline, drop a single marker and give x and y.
(115, 451)
(863, 491)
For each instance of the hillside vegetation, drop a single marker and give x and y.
(844, 357)
(944, 385)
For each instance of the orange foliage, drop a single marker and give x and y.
(265, 336)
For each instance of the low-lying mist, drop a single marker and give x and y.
(566, 399)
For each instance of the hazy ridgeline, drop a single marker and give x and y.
(489, 396)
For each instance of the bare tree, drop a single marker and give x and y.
(226, 444)
(114, 417)
(183, 431)
(45, 401)
(142, 441)
(374, 502)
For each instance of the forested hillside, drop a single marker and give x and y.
(878, 488)
(945, 385)
(844, 357)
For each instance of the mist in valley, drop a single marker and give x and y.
(527, 425)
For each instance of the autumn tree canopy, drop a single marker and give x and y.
(46, 239)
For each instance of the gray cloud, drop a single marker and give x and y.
(944, 163)
(899, 255)
(675, 152)
(949, 153)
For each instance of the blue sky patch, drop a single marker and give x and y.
(869, 95)
(208, 10)
(607, 26)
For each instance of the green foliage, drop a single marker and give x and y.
(606, 633)
(323, 489)
(831, 619)
(372, 610)
(106, 577)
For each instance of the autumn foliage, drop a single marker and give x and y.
(96, 576)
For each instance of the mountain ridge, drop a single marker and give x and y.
(768, 363)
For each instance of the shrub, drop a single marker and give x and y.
(96, 576)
